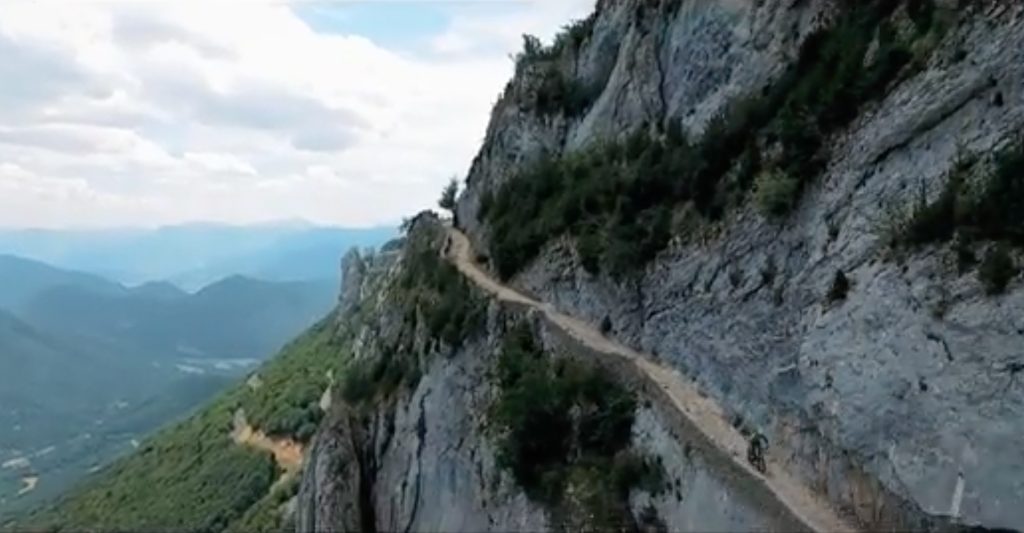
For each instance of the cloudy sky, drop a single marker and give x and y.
(150, 112)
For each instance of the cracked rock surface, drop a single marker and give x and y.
(421, 458)
(886, 401)
(903, 404)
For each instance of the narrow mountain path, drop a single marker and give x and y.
(287, 452)
(29, 484)
(703, 412)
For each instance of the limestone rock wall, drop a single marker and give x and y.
(422, 458)
(887, 401)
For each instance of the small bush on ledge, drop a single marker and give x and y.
(997, 269)
(775, 193)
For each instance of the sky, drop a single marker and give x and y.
(157, 112)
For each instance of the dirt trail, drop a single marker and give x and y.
(287, 452)
(703, 412)
(29, 484)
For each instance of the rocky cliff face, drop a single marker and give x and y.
(410, 457)
(885, 373)
(418, 449)
(901, 399)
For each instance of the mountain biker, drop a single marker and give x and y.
(756, 450)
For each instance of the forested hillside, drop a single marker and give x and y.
(89, 366)
(194, 475)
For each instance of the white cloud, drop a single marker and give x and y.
(216, 162)
(144, 113)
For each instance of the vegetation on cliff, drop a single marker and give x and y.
(286, 404)
(623, 200)
(267, 515)
(556, 92)
(429, 295)
(563, 431)
(985, 206)
(982, 201)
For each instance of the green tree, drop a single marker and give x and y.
(532, 47)
(448, 195)
(775, 192)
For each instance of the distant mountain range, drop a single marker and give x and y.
(89, 364)
(22, 279)
(194, 255)
(237, 317)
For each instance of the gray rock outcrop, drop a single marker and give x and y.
(422, 458)
(353, 270)
(902, 404)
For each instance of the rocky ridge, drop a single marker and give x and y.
(884, 376)
(424, 456)
(899, 401)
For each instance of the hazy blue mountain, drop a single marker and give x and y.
(195, 255)
(163, 290)
(237, 317)
(21, 279)
(88, 365)
(295, 255)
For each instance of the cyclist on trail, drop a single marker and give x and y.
(756, 450)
